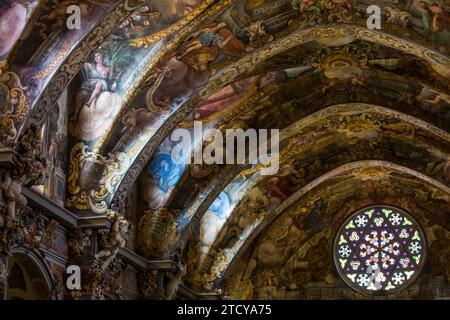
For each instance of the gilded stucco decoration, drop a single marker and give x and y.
(86, 117)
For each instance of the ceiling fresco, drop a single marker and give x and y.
(58, 53)
(105, 177)
(292, 250)
(364, 119)
(133, 134)
(14, 18)
(48, 44)
(122, 57)
(331, 143)
(311, 152)
(258, 105)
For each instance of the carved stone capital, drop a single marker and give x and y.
(150, 284)
(80, 240)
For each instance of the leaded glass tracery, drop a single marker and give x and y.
(379, 250)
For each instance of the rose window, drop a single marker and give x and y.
(379, 250)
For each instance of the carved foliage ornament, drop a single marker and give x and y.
(113, 167)
(29, 169)
(101, 283)
(80, 240)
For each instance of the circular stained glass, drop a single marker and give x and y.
(379, 250)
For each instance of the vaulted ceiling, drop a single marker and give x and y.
(363, 114)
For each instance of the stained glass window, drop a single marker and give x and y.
(379, 250)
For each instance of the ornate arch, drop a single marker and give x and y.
(306, 132)
(296, 131)
(369, 170)
(132, 169)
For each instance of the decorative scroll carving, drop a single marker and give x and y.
(13, 106)
(105, 282)
(398, 17)
(113, 166)
(236, 288)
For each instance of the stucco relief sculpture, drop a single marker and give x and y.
(80, 240)
(175, 280)
(112, 241)
(30, 170)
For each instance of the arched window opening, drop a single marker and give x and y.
(379, 250)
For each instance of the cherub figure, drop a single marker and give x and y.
(112, 241)
(255, 31)
(80, 240)
(433, 97)
(281, 184)
(209, 39)
(12, 189)
(31, 170)
(175, 281)
(440, 17)
(139, 22)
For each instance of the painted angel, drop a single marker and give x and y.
(435, 16)
(97, 100)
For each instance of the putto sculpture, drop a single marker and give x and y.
(30, 169)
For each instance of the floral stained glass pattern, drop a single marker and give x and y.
(379, 250)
